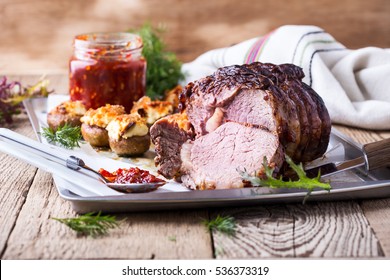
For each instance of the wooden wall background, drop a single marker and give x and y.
(36, 35)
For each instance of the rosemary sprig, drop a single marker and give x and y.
(90, 224)
(222, 224)
(303, 181)
(66, 136)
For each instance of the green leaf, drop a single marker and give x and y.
(303, 181)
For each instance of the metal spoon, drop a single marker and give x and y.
(76, 163)
(19, 141)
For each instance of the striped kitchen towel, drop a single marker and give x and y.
(354, 84)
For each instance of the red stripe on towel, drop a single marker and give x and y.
(254, 52)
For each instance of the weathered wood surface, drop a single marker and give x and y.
(36, 36)
(15, 180)
(376, 211)
(333, 229)
(160, 235)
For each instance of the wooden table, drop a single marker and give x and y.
(28, 200)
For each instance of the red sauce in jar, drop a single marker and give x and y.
(107, 68)
(129, 175)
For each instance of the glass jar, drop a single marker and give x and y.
(107, 68)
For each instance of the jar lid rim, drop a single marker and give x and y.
(126, 40)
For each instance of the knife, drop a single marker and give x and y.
(374, 155)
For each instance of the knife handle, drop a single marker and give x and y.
(377, 154)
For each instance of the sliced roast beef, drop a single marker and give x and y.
(168, 135)
(285, 77)
(288, 77)
(279, 113)
(241, 93)
(213, 160)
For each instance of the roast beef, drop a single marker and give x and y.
(234, 118)
(169, 134)
(213, 161)
(316, 132)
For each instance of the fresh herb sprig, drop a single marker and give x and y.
(303, 181)
(172, 238)
(163, 71)
(90, 224)
(222, 224)
(12, 94)
(65, 136)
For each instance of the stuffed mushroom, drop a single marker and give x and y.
(68, 112)
(128, 135)
(95, 121)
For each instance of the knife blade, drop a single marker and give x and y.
(335, 167)
(374, 155)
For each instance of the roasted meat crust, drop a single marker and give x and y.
(168, 135)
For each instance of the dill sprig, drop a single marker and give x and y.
(303, 181)
(90, 224)
(66, 136)
(222, 224)
(172, 238)
(164, 69)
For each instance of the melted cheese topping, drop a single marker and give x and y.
(71, 108)
(172, 96)
(181, 120)
(152, 110)
(102, 116)
(127, 126)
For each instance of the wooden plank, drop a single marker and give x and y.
(360, 135)
(154, 235)
(15, 180)
(376, 211)
(312, 230)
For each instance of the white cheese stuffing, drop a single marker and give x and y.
(127, 126)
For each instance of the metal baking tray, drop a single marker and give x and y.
(355, 184)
